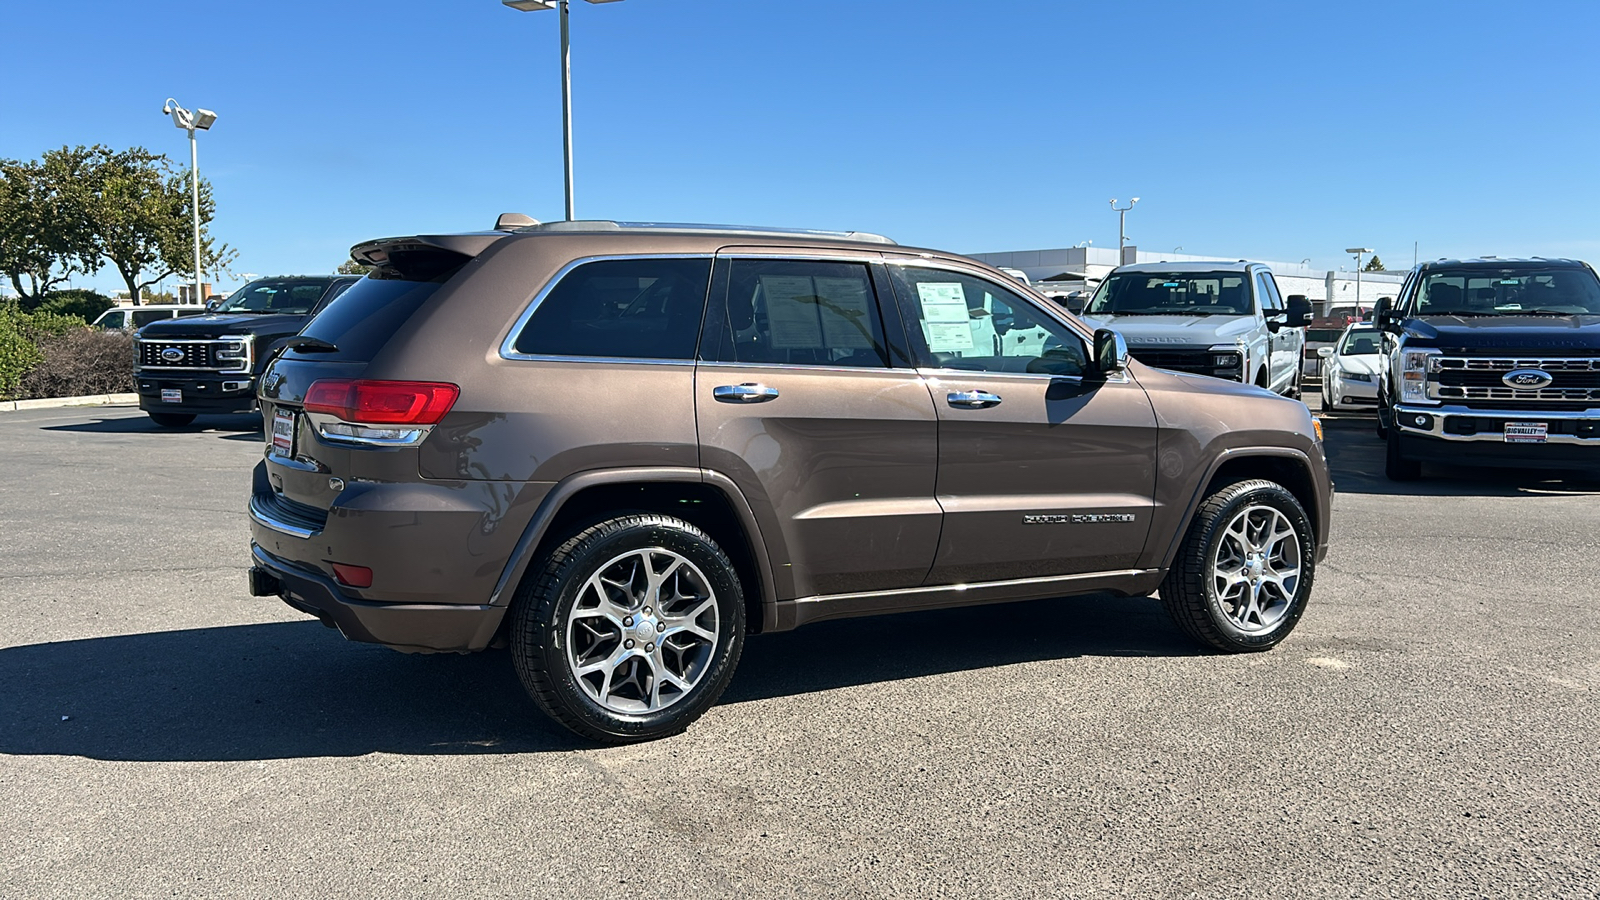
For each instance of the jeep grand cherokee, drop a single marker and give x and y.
(618, 449)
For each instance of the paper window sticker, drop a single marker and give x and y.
(792, 312)
(846, 309)
(943, 301)
(948, 337)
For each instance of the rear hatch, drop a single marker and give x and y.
(329, 427)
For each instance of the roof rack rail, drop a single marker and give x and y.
(591, 226)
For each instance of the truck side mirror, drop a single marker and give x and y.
(1384, 313)
(1110, 351)
(212, 305)
(1299, 311)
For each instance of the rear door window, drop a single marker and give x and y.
(798, 313)
(646, 308)
(144, 317)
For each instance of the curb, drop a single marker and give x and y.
(55, 402)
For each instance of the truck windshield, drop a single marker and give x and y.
(1519, 291)
(286, 297)
(1171, 294)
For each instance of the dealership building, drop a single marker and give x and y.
(1069, 269)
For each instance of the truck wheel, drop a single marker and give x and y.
(1244, 572)
(1397, 467)
(629, 630)
(171, 420)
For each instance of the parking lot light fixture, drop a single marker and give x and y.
(566, 82)
(1358, 251)
(199, 120)
(1122, 224)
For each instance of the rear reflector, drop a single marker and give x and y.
(353, 576)
(382, 402)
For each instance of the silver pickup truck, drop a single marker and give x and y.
(1221, 319)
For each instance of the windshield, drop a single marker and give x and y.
(1190, 293)
(1509, 292)
(1359, 343)
(296, 297)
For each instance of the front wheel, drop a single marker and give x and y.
(631, 630)
(1244, 571)
(171, 420)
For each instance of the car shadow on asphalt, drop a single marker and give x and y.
(295, 689)
(1356, 461)
(225, 427)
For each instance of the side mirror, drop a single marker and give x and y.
(1384, 313)
(212, 305)
(1326, 352)
(1075, 305)
(1299, 311)
(1110, 351)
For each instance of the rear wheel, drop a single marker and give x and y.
(1244, 572)
(631, 630)
(171, 420)
(1397, 467)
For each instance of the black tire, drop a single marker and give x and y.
(1397, 467)
(171, 420)
(1189, 591)
(1378, 426)
(546, 599)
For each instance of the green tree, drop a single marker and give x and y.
(45, 232)
(351, 267)
(1373, 265)
(139, 209)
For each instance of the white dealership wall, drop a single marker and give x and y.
(1323, 287)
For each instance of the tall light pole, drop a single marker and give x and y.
(1122, 224)
(1358, 251)
(199, 120)
(566, 81)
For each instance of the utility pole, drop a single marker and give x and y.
(1122, 225)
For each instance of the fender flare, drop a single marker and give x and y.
(1198, 496)
(565, 489)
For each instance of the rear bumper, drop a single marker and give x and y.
(202, 394)
(411, 627)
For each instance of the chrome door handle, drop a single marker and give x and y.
(972, 399)
(749, 392)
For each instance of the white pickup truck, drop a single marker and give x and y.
(1226, 320)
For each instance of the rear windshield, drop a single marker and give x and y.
(1191, 293)
(362, 319)
(1518, 291)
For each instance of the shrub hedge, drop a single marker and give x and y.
(47, 354)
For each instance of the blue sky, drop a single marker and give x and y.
(1271, 130)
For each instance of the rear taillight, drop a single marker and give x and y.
(382, 402)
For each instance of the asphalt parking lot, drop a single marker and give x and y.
(1429, 730)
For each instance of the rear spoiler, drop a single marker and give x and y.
(422, 257)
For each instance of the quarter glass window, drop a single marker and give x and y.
(621, 309)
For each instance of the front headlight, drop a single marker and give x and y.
(1414, 368)
(1362, 377)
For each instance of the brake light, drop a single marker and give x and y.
(382, 402)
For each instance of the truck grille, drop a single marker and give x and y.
(1575, 381)
(1197, 362)
(226, 354)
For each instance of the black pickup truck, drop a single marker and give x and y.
(209, 364)
(1492, 362)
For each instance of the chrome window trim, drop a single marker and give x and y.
(812, 257)
(508, 349)
(854, 370)
(804, 257)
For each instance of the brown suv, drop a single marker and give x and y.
(621, 448)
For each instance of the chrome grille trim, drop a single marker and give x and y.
(1555, 392)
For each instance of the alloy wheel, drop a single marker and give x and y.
(642, 631)
(1256, 568)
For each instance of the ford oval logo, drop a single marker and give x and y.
(1528, 379)
(172, 354)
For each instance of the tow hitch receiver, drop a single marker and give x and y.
(263, 583)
